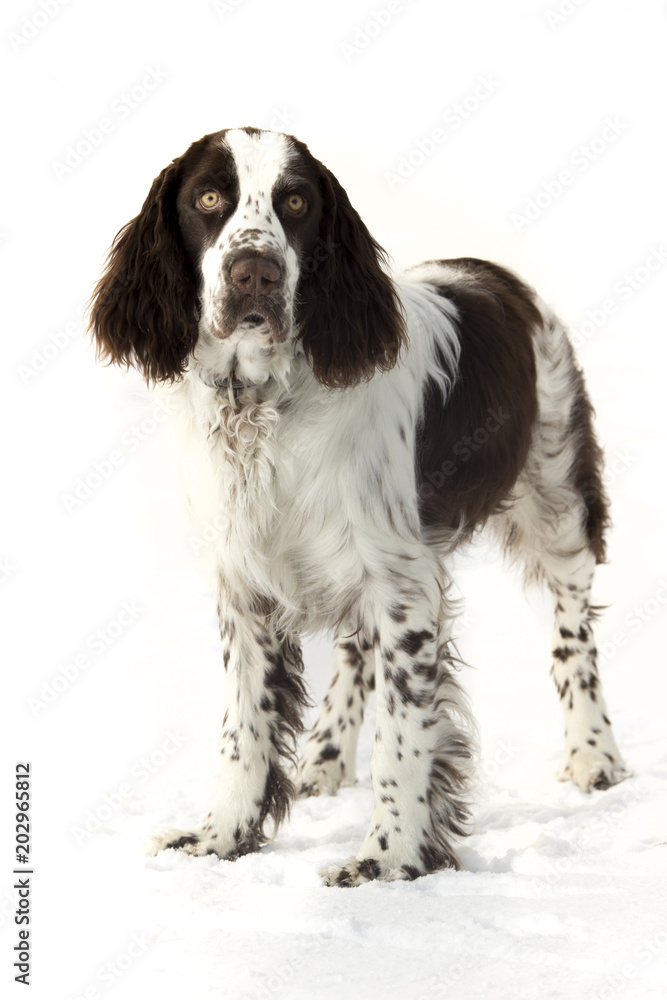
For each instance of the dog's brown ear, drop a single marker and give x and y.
(144, 308)
(350, 318)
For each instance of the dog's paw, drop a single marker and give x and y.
(591, 769)
(358, 871)
(320, 777)
(316, 781)
(215, 836)
(197, 843)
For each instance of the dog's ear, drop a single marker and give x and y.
(143, 311)
(350, 318)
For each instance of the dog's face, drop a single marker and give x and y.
(247, 241)
(250, 210)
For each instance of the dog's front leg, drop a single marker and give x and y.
(422, 761)
(264, 698)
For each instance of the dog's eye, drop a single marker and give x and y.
(209, 200)
(294, 204)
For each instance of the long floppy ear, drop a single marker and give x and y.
(144, 308)
(350, 317)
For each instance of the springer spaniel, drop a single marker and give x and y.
(344, 432)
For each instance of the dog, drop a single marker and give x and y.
(345, 432)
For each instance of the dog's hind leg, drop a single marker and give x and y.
(556, 525)
(329, 756)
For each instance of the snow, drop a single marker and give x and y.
(563, 894)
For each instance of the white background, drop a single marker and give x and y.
(564, 894)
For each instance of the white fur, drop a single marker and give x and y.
(303, 500)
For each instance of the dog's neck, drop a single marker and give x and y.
(247, 359)
(235, 386)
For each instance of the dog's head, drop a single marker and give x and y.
(248, 238)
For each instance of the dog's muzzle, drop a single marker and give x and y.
(253, 296)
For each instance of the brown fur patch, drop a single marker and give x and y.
(471, 450)
(587, 470)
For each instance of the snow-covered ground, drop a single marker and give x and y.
(531, 133)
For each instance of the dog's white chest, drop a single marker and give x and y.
(263, 496)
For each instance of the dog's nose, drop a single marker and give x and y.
(255, 276)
